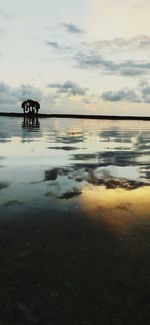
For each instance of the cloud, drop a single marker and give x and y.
(8, 94)
(61, 49)
(131, 72)
(140, 95)
(124, 95)
(145, 91)
(7, 15)
(10, 97)
(72, 28)
(69, 88)
(120, 43)
(96, 55)
(125, 68)
(60, 96)
(28, 91)
(54, 45)
(145, 87)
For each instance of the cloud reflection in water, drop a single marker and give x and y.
(118, 208)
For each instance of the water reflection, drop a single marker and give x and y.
(31, 123)
(121, 210)
(117, 149)
(70, 211)
(70, 181)
(3, 185)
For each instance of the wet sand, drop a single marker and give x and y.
(84, 260)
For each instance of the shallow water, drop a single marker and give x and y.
(55, 157)
(74, 222)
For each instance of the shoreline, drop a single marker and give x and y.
(81, 116)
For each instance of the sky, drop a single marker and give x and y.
(78, 57)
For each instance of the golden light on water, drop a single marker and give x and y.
(118, 208)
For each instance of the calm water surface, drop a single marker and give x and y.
(59, 157)
(74, 221)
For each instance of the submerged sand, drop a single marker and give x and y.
(84, 260)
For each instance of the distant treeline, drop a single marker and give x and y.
(82, 116)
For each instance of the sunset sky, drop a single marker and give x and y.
(83, 56)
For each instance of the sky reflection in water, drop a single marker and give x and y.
(61, 158)
(120, 209)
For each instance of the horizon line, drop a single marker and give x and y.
(82, 116)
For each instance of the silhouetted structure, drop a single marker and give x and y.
(30, 107)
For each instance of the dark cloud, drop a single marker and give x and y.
(10, 97)
(132, 68)
(96, 55)
(145, 87)
(127, 67)
(124, 95)
(61, 49)
(7, 94)
(68, 88)
(145, 91)
(131, 72)
(141, 95)
(72, 28)
(52, 44)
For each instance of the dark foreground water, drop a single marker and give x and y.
(74, 221)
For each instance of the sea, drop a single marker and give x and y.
(61, 158)
(74, 221)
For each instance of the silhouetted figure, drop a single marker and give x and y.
(30, 107)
